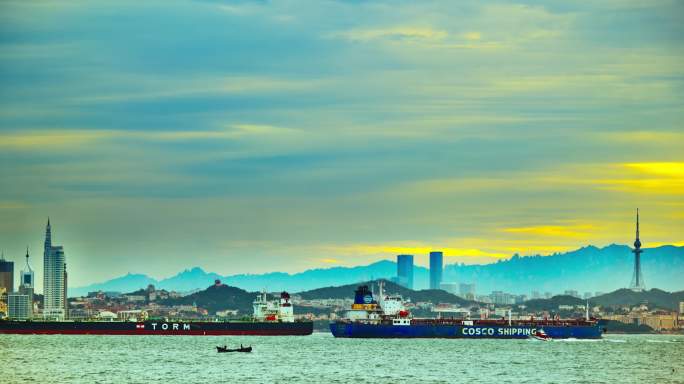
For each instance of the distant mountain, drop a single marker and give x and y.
(196, 278)
(314, 278)
(588, 269)
(126, 283)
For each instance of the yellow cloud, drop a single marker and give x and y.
(472, 36)
(655, 137)
(329, 261)
(396, 33)
(577, 231)
(386, 249)
(66, 138)
(672, 169)
(52, 139)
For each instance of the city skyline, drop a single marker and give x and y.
(408, 265)
(252, 137)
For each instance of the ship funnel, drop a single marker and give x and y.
(363, 295)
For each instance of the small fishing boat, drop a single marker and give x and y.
(540, 335)
(226, 349)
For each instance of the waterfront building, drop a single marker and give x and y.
(436, 269)
(3, 303)
(659, 320)
(681, 307)
(6, 274)
(54, 272)
(66, 297)
(18, 306)
(405, 271)
(26, 284)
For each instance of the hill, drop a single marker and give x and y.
(654, 298)
(218, 298)
(552, 303)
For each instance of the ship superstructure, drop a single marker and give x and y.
(273, 310)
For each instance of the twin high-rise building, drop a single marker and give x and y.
(436, 266)
(54, 279)
(405, 271)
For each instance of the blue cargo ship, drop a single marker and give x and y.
(388, 318)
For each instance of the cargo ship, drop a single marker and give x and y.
(270, 318)
(387, 317)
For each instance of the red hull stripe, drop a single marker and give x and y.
(150, 332)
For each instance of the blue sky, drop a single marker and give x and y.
(258, 136)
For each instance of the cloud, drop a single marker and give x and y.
(406, 34)
(329, 261)
(52, 139)
(472, 36)
(574, 231)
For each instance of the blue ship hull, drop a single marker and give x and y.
(365, 330)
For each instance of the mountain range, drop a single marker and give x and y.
(588, 269)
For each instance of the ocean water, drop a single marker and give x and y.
(320, 358)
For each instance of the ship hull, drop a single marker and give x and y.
(366, 330)
(156, 328)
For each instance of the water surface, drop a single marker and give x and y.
(320, 358)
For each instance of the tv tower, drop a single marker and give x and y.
(637, 284)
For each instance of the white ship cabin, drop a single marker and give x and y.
(273, 310)
(392, 305)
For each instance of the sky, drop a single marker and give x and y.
(257, 136)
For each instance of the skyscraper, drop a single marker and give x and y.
(17, 306)
(53, 278)
(637, 278)
(436, 265)
(6, 274)
(26, 285)
(405, 270)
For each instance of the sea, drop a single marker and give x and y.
(320, 358)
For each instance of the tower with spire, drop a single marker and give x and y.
(26, 284)
(637, 284)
